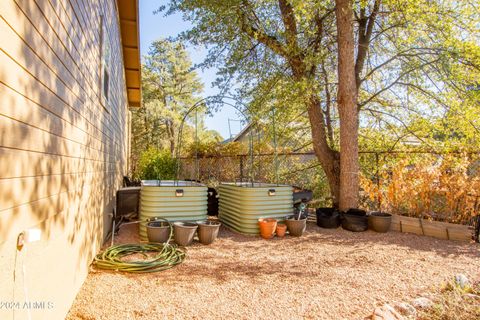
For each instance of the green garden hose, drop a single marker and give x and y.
(167, 256)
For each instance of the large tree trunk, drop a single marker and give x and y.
(347, 106)
(291, 51)
(328, 158)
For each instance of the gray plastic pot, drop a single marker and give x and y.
(208, 231)
(184, 233)
(296, 227)
(379, 221)
(158, 231)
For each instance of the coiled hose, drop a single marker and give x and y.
(167, 256)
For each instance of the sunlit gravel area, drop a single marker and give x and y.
(325, 274)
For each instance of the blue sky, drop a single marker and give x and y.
(155, 26)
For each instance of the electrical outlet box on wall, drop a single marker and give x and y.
(28, 236)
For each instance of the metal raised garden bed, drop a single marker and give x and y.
(172, 200)
(242, 204)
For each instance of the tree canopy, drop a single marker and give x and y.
(414, 63)
(170, 87)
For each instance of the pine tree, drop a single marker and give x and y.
(170, 87)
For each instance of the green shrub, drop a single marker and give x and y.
(155, 164)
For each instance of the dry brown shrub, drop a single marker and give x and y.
(439, 187)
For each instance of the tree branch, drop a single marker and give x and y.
(365, 33)
(396, 81)
(295, 54)
(288, 18)
(269, 41)
(372, 111)
(319, 25)
(400, 54)
(328, 118)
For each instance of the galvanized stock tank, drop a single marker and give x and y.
(242, 204)
(172, 200)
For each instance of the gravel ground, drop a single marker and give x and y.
(326, 274)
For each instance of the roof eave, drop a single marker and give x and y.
(129, 29)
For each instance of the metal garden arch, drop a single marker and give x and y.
(221, 99)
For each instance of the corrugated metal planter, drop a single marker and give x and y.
(172, 200)
(241, 204)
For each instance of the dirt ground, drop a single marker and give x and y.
(326, 274)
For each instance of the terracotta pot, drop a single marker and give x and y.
(281, 230)
(267, 227)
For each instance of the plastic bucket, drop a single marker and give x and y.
(296, 227)
(158, 231)
(184, 232)
(208, 231)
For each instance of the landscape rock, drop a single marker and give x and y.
(405, 309)
(462, 281)
(422, 303)
(386, 312)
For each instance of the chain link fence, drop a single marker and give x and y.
(298, 169)
(440, 186)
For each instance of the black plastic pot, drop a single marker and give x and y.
(300, 195)
(357, 212)
(355, 220)
(328, 218)
(212, 202)
(476, 235)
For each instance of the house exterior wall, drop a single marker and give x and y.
(62, 153)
